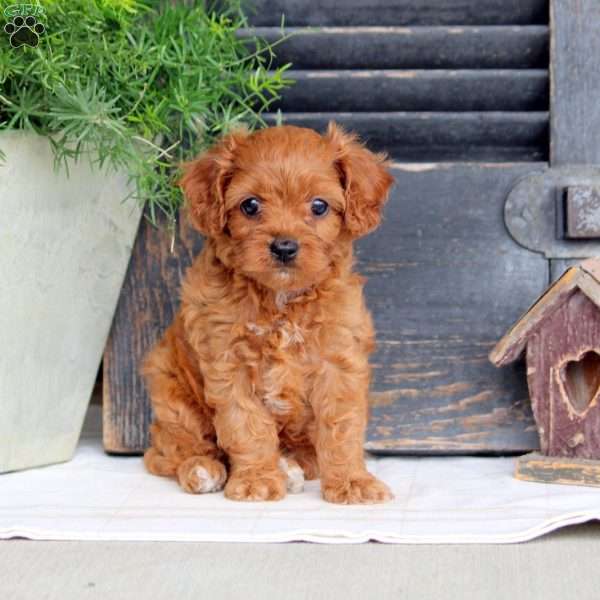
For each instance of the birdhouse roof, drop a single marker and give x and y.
(584, 277)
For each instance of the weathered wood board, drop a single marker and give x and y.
(575, 119)
(147, 305)
(445, 282)
(421, 90)
(440, 136)
(549, 469)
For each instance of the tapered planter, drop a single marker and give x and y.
(64, 247)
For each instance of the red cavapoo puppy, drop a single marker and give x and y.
(262, 379)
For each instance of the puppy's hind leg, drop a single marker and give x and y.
(183, 440)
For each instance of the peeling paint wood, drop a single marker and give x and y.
(437, 316)
(561, 335)
(422, 90)
(148, 302)
(575, 90)
(400, 12)
(507, 47)
(548, 469)
(566, 405)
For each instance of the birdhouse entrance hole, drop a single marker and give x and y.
(582, 380)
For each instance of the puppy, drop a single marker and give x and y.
(262, 379)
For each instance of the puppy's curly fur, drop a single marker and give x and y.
(262, 378)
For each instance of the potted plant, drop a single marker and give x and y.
(100, 100)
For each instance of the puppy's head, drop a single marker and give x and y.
(283, 204)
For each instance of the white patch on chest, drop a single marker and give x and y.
(290, 333)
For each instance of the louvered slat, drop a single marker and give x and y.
(435, 136)
(419, 90)
(400, 12)
(519, 47)
(434, 80)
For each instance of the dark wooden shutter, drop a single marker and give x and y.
(427, 81)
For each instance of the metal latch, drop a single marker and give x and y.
(557, 212)
(582, 212)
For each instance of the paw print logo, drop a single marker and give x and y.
(24, 31)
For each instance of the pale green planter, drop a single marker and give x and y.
(65, 244)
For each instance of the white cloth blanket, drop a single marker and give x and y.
(438, 500)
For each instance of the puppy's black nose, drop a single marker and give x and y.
(284, 250)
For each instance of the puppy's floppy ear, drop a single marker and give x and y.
(364, 177)
(205, 180)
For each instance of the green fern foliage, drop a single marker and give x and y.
(139, 85)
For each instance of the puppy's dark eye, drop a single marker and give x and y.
(319, 207)
(250, 207)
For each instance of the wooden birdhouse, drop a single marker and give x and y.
(560, 337)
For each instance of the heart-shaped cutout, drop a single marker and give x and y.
(582, 380)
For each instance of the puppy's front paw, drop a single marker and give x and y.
(253, 487)
(364, 489)
(201, 474)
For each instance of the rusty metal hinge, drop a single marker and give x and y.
(556, 212)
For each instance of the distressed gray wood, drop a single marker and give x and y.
(431, 136)
(551, 469)
(574, 94)
(417, 90)
(443, 286)
(575, 120)
(521, 47)
(147, 305)
(400, 12)
(64, 248)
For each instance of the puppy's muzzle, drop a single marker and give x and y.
(284, 250)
